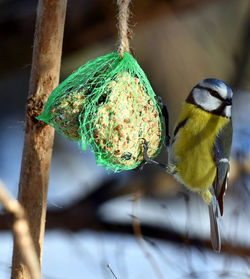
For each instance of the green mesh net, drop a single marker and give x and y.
(109, 105)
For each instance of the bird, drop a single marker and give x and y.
(200, 145)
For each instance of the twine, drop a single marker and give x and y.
(123, 26)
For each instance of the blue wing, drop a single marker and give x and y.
(221, 152)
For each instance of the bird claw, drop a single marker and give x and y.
(145, 145)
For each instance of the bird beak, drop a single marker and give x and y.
(228, 102)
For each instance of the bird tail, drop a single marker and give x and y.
(214, 225)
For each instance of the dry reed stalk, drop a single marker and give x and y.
(38, 143)
(21, 232)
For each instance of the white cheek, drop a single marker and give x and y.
(227, 111)
(223, 90)
(204, 99)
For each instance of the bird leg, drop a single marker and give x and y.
(149, 160)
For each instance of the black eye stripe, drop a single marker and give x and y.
(219, 111)
(212, 92)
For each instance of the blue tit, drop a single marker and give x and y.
(200, 146)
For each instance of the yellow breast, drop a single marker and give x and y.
(192, 151)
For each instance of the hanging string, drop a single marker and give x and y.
(123, 26)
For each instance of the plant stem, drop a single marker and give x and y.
(38, 142)
(21, 232)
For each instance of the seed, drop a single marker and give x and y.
(119, 127)
(126, 156)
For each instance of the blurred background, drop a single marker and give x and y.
(92, 214)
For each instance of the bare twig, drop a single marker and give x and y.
(83, 215)
(142, 243)
(111, 270)
(76, 218)
(21, 233)
(39, 137)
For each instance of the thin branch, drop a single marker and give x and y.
(112, 272)
(142, 243)
(83, 215)
(21, 233)
(170, 235)
(76, 219)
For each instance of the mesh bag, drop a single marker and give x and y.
(109, 105)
